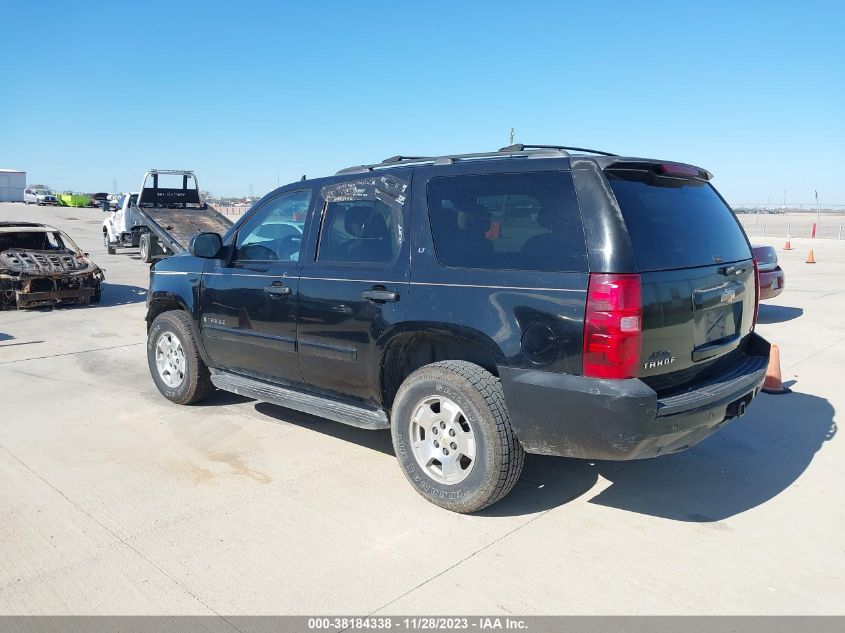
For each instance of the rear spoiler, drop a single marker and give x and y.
(662, 167)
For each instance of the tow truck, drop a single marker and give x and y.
(162, 217)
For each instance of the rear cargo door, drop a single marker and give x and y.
(697, 271)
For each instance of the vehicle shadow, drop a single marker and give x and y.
(375, 440)
(219, 398)
(777, 314)
(121, 294)
(743, 465)
(748, 462)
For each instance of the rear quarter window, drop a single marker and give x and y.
(512, 221)
(675, 222)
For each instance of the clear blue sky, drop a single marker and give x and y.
(92, 91)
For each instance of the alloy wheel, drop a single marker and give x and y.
(442, 440)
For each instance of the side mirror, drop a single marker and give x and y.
(206, 245)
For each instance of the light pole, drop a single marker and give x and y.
(818, 212)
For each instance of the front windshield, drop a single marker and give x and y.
(44, 191)
(36, 241)
(133, 200)
(69, 244)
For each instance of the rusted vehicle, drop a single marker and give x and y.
(42, 266)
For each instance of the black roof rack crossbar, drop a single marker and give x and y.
(519, 147)
(398, 159)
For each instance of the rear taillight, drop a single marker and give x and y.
(756, 293)
(613, 326)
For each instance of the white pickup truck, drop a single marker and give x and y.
(124, 225)
(162, 217)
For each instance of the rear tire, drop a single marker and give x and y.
(453, 438)
(175, 364)
(145, 246)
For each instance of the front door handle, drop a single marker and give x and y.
(277, 289)
(381, 295)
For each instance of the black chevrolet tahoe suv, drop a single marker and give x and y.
(537, 299)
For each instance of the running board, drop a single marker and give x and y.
(305, 402)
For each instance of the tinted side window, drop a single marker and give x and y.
(362, 220)
(273, 234)
(519, 221)
(676, 223)
(357, 232)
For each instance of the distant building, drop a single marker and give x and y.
(12, 184)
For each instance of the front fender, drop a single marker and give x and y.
(176, 284)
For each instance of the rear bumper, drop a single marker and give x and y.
(771, 283)
(574, 416)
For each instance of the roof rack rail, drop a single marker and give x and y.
(519, 147)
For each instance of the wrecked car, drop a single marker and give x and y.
(42, 266)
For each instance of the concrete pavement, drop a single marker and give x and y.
(114, 501)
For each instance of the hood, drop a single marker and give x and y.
(44, 262)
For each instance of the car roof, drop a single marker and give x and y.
(405, 165)
(12, 223)
(516, 151)
(509, 152)
(31, 227)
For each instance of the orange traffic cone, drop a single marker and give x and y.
(773, 383)
(788, 246)
(811, 259)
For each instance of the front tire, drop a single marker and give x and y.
(453, 438)
(175, 364)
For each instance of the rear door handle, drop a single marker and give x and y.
(277, 288)
(381, 295)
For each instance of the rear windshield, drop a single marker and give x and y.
(675, 222)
